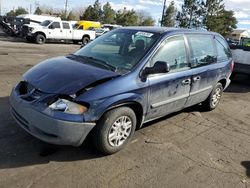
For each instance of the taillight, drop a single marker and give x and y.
(232, 66)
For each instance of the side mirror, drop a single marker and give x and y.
(159, 67)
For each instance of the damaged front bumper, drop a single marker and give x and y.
(32, 118)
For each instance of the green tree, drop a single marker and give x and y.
(218, 19)
(38, 11)
(21, 10)
(93, 13)
(222, 23)
(18, 11)
(126, 18)
(148, 21)
(144, 18)
(88, 14)
(97, 10)
(11, 13)
(62, 15)
(169, 16)
(71, 16)
(191, 14)
(108, 14)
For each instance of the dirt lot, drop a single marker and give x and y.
(187, 149)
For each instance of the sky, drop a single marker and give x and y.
(153, 7)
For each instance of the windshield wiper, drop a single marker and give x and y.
(101, 62)
(94, 60)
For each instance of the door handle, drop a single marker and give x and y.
(186, 81)
(60, 30)
(196, 78)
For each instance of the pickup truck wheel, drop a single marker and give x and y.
(114, 130)
(85, 40)
(40, 39)
(214, 98)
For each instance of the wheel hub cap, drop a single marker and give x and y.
(120, 131)
(216, 97)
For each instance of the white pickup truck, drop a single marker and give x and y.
(241, 56)
(57, 30)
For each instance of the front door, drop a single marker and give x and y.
(55, 31)
(169, 92)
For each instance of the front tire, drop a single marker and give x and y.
(213, 99)
(85, 40)
(114, 130)
(40, 39)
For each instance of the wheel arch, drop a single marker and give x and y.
(135, 106)
(223, 82)
(86, 35)
(41, 33)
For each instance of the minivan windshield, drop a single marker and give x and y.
(45, 23)
(119, 50)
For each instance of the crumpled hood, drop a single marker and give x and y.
(62, 75)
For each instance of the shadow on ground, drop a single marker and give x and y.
(19, 149)
(246, 164)
(240, 84)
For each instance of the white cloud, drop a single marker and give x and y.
(119, 6)
(244, 22)
(241, 14)
(151, 2)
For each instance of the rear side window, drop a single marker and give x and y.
(202, 50)
(223, 51)
(173, 52)
(56, 25)
(66, 25)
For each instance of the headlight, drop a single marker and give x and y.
(68, 107)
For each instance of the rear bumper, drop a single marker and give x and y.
(241, 68)
(47, 128)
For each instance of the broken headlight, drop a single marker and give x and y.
(67, 106)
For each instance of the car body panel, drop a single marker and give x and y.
(66, 76)
(102, 90)
(167, 93)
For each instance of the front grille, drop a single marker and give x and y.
(28, 92)
(25, 30)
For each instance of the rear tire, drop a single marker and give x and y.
(40, 39)
(85, 40)
(114, 130)
(214, 98)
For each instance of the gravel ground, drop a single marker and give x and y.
(186, 149)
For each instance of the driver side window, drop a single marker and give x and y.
(55, 25)
(173, 52)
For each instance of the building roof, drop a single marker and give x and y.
(238, 31)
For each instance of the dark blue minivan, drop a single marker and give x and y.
(119, 81)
